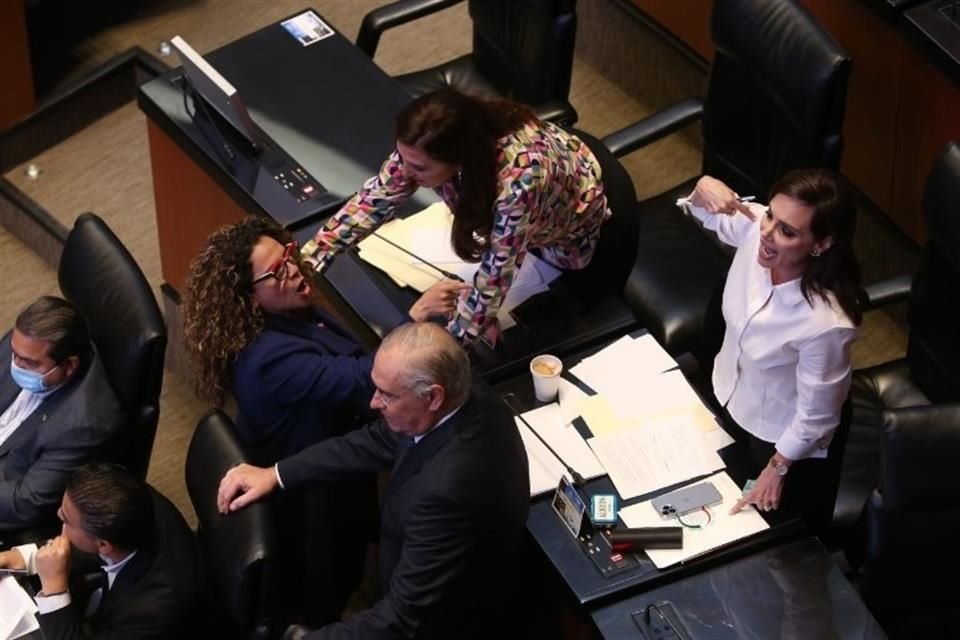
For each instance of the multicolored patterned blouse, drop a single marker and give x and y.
(550, 198)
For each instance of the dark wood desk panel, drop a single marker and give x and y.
(189, 205)
(929, 118)
(16, 73)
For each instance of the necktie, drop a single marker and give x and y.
(99, 595)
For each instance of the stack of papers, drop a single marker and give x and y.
(650, 428)
(551, 422)
(427, 235)
(723, 528)
(17, 610)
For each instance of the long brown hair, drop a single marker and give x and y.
(220, 316)
(461, 130)
(835, 270)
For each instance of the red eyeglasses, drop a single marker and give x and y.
(280, 270)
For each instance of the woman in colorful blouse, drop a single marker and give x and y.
(513, 183)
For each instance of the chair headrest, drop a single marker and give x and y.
(776, 95)
(100, 277)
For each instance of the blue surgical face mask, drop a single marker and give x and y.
(29, 380)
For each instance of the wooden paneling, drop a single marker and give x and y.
(190, 206)
(873, 94)
(16, 75)
(929, 118)
(689, 20)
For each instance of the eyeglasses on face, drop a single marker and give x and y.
(385, 396)
(280, 270)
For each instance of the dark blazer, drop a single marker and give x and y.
(298, 383)
(155, 596)
(68, 429)
(451, 517)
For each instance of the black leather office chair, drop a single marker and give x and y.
(912, 522)
(238, 549)
(775, 102)
(100, 277)
(907, 402)
(522, 49)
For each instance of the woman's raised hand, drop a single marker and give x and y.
(716, 197)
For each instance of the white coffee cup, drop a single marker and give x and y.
(545, 370)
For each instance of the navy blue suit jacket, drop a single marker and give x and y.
(451, 517)
(299, 382)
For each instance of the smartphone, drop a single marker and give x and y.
(686, 499)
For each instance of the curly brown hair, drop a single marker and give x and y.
(220, 317)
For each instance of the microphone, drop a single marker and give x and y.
(578, 480)
(444, 272)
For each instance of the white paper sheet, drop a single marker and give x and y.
(654, 455)
(17, 610)
(627, 358)
(427, 234)
(722, 530)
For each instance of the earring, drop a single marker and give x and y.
(815, 253)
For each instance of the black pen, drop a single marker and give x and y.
(578, 480)
(444, 272)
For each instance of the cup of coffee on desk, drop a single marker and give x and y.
(546, 377)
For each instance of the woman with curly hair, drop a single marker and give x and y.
(251, 327)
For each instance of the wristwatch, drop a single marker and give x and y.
(778, 467)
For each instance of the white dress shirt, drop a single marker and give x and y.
(783, 371)
(51, 603)
(19, 410)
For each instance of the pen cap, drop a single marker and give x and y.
(647, 538)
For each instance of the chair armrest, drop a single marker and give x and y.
(688, 364)
(559, 112)
(654, 127)
(394, 15)
(886, 292)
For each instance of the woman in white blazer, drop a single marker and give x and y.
(791, 310)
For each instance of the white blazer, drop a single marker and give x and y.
(783, 371)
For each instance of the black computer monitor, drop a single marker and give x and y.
(217, 92)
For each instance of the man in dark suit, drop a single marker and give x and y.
(57, 409)
(151, 580)
(454, 510)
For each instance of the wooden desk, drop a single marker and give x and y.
(16, 73)
(326, 106)
(586, 588)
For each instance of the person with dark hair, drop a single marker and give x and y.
(151, 580)
(57, 409)
(449, 523)
(791, 309)
(514, 184)
(252, 326)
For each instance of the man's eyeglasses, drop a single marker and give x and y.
(385, 396)
(280, 270)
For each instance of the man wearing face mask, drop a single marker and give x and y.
(57, 409)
